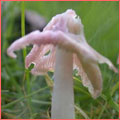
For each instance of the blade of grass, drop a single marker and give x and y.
(23, 97)
(110, 101)
(81, 112)
(41, 102)
(81, 90)
(23, 25)
(26, 74)
(49, 81)
(115, 87)
(22, 113)
(113, 105)
(102, 111)
(75, 78)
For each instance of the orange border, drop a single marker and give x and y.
(58, 0)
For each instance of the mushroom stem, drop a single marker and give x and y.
(63, 96)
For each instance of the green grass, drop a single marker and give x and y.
(28, 96)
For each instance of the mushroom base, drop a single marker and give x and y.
(63, 96)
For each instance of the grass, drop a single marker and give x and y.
(26, 96)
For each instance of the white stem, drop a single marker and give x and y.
(63, 96)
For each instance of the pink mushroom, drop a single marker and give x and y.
(64, 38)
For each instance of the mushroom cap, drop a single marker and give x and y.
(65, 31)
(65, 22)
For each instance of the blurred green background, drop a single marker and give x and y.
(28, 96)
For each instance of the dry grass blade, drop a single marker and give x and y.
(81, 112)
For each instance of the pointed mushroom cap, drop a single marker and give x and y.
(66, 31)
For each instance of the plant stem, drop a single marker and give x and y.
(23, 25)
(63, 96)
(26, 73)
